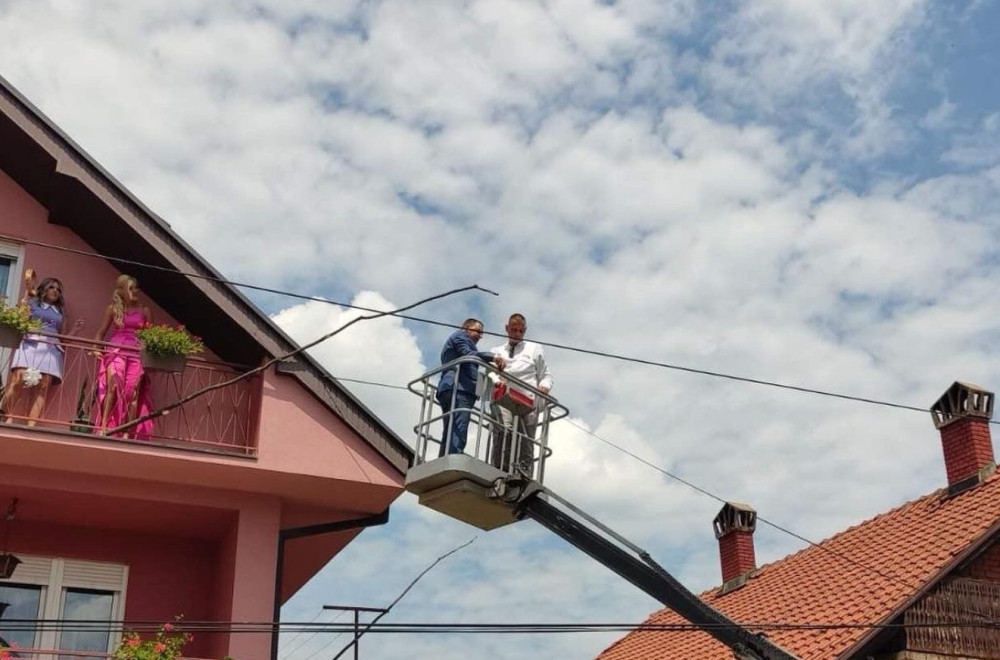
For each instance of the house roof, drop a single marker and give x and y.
(85, 198)
(911, 548)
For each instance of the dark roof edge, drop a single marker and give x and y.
(972, 549)
(273, 340)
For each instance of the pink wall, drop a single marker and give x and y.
(87, 282)
(167, 575)
(217, 557)
(298, 434)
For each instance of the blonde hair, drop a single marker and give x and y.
(117, 302)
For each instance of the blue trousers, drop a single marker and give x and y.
(456, 425)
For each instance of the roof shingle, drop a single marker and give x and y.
(862, 575)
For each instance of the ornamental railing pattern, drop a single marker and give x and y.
(223, 419)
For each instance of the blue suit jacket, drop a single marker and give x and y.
(459, 345)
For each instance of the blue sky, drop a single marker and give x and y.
(796, 191)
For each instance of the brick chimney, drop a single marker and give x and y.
(962, 415)
(734, 527)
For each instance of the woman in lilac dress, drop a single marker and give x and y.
(38, 362)
(122, 387)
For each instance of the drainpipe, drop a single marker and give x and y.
(312, 530)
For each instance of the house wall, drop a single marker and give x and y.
(129, 502)
(299, 435)
(87, 282)
(986, 566)
(168, 576)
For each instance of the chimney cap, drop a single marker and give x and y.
(735, 516)
(962, 400)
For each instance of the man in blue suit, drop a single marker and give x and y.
(459, 394)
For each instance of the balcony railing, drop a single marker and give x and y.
(224, 419)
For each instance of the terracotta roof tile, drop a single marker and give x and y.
(909, 546)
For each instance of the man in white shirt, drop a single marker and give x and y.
(524, 360)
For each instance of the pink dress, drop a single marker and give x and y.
(122, 362)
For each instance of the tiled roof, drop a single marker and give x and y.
(910, 546)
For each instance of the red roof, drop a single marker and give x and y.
(910, 546)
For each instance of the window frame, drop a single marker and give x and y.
(15, 253)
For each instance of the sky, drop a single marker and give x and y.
(803, 192)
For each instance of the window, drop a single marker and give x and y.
(22, 602)
(10, 271)
(64, 589)
(10, 288)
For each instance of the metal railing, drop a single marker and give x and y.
(519, 446)
(224, 419)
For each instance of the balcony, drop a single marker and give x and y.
(223, 420)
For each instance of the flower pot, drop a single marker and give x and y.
(7, 565)
(169, 363)
(9, 337)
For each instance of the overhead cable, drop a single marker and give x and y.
(565, 347)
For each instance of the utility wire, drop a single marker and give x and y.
(551, 344)
(307, 638)
(760, 518)
(488, 627)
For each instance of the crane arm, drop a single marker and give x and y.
(635, 565)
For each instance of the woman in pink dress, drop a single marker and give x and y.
(122, 387)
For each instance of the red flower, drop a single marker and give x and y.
(168, 627)
(160, 647)
(133, 642)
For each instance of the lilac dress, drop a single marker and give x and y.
(38, 351)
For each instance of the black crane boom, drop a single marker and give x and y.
(636, 566)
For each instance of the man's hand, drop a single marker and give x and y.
(544, 389)
(500, 362)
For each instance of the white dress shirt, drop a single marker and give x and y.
(526, 361)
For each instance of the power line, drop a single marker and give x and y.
(481, 627)
(566, 347)
(304, 629)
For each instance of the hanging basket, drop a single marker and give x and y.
(9, 337)
(7, 565)
(168, 363)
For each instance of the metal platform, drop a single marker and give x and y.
(461, 486)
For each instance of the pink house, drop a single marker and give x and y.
(239, 497)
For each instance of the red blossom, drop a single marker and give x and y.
(160, 647)
(168, 627)
(133, 642)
